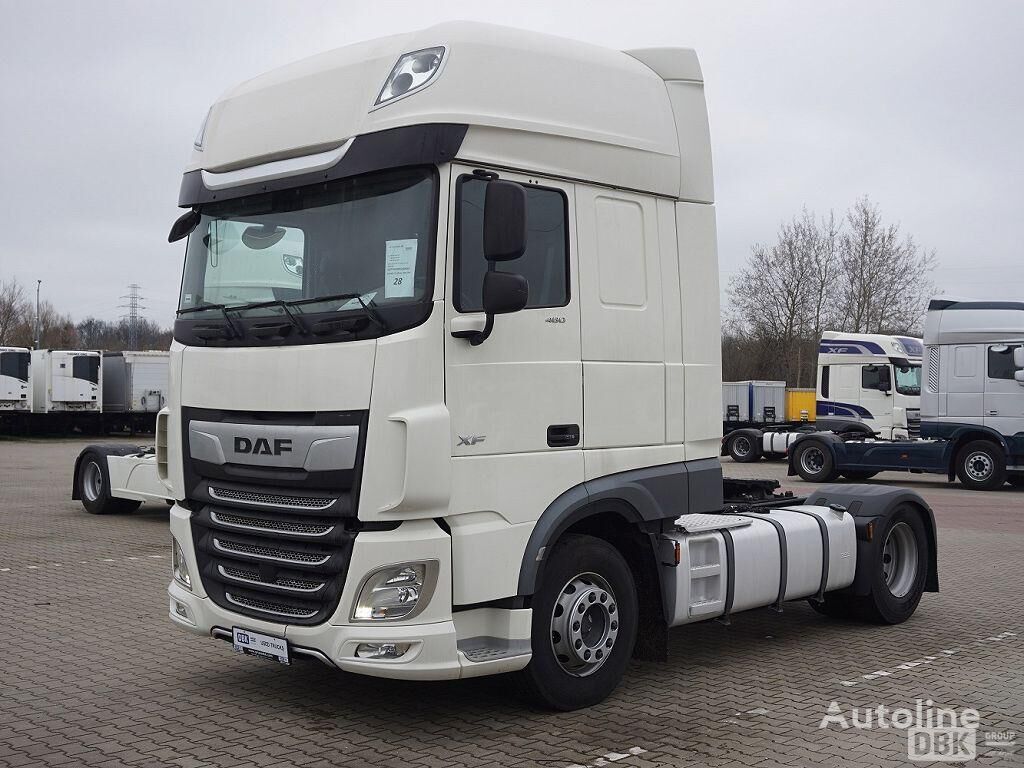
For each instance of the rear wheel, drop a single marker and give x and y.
(814, 462)
(743, 448)
(93, 483)
(584, 625)
(897, 582)
(981, 465)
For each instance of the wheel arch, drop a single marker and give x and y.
(964, 435)
(103, 450)
(827, 440)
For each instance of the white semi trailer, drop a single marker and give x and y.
(15, 387)
(462, 420)
(135, 388)
(67, 382)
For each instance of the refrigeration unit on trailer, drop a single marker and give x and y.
(972, 405)
(15, 386)
(135, 388)
(66, 382)
(867, 384)
(445, 368)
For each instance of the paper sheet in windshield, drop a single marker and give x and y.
(399, 268)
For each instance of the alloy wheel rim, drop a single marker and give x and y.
(584, 624)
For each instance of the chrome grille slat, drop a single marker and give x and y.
(269, 499)
(263, 525)
(268, 607)
(270, 553)
(249, 577)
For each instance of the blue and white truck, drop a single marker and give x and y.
(972, 406)
(868, 385)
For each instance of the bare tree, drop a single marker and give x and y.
(853, 274)
(12, 308)
(885, 274)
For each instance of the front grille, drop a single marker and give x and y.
(262, 524)
(274, 564)
(269, 499)
(266, 606)
(913, 424)
(269, 553)
(244, 576)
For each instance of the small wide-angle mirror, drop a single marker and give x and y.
(1018, 357)
(184, 225)
(504, 292)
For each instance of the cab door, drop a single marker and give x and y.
(876, 394)
(515, 400)
(521, 390)
(1004, 397)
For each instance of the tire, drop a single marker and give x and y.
(858, 476)
(604, 593)
(743, 448)
(814, 463)
(93, 484)
(981, 465)
(900, 570)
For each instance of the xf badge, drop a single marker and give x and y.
(472, 439)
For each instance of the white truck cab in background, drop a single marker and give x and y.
(446, 372)
(871, 379)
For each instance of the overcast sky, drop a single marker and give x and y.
(918, 105)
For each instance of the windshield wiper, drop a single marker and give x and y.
(368, 308)
(296, 323)
(235, 333)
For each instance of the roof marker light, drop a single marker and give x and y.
(412, 72)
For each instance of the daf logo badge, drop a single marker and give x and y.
(472, 439)
(261, 446)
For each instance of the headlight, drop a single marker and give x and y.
(179, 566)
(395, 592)
(413, 71)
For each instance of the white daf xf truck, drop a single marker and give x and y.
(446, 372)
(869, 384)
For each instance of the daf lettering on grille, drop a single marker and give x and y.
(261, 446)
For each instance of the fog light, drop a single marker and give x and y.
(381, 650)
(179, 566)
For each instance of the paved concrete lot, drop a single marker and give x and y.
(93, 673)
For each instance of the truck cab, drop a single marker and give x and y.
(871, 380)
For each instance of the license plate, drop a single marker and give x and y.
(258, 644)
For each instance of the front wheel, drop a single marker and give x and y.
(814, 462)
(981, 466)
(584, 625)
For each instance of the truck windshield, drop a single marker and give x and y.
(14, 364)
(86, 367)
(369, 237)
(908, 379)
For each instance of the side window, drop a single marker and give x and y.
(869, 377)
(545, 263)
(1000, 362)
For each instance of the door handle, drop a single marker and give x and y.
(993, 412)
(560, 435)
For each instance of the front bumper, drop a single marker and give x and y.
(434, 637)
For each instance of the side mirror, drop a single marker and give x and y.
(884, 380)
(1018, 357)
(1018, 376)
(183, 227)
(504, 221)
(504, 292)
